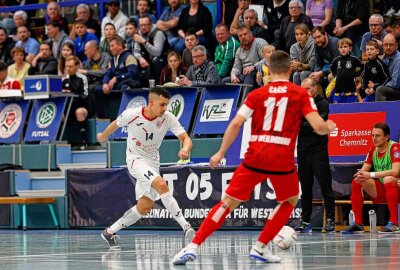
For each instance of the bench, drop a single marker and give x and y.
(23, 201)
(339, 222)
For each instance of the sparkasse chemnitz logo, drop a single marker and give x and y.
(46, 114)
(176, 105)
(10, 120)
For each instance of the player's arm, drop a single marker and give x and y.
(103, 136)
(230, 135)
(186, 145)
(320, 126)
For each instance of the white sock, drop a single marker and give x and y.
(172, 206)
(130, 217)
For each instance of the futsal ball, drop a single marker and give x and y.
(285, 237)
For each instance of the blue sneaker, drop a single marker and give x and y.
(354, 228)
(303, 227)
(329, 226)
(390, 228)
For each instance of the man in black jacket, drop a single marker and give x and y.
(6, 45)
(44, 62)
(313, 160)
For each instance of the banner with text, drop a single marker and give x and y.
(12, 118)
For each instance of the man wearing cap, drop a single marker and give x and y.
(116, 17)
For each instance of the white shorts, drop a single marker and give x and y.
(144, 175)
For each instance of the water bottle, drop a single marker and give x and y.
(372, 221)
(351, 217)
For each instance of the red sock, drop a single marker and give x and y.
(357, 201)
(392, 198)
(276, 221)
(213, 221)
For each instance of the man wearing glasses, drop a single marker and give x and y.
(391, 90)
(376, 32)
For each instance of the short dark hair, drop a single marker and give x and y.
(74, 58)
(54, 23)
(160, 91)
(280, 62)
(373, 43)
(3, 66)
(320, 29)
(391, 22)
(131, 22)
(384, 127)
(118, 39)
(191, 33)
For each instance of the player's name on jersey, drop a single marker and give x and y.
(277, 89)
(270, 139)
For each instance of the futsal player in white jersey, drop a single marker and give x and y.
(147, 127)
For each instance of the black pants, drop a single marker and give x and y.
(310, 165)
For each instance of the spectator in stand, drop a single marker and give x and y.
(202, 72)
(6, 82)
(250, 18)
(77, 83)
(229, 8)
(84, 13)
(122, 74)
(20, 68)
(29, 44)
(57, 38)
(391, 90)
(276, 10)
(345, 68)
(285, 37)
(174, 69)
(44, 62)
(302, 54)
(116, 17)
(131, 30)
(109, 33)
(392, 26)
(264, 72)
(168, 21)
(20, 18)
(143, 9)
(376, 72)
(6, 45)
(191, 41)
(225, 51)
(325, 51)
(195, 18)
(378, 179)
(248, 58)
(376, 32)
(321, 13)
(151, 49)
(67, 50)
(351, 19)
(83, 36)
(53, 13)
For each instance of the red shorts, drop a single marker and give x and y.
(244, 180)
(381, 193)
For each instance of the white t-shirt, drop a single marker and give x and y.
(146, 135)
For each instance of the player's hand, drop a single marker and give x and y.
(183, 154)
(362, 176)
(101, 138)
(215, 160)
(234, 79)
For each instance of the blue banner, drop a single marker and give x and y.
(12, 118)
(40, 86)
(216, 109)
(45, 119)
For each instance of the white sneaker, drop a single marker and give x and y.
(185, 255)
(397, 14)
(263, 255)
(189, 232)
(391, 12)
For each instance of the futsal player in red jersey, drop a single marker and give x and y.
(276, 110)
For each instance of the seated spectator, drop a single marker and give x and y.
(229, 8)
(195, 18)
(57, 38)
(321, 13)
(109, 33)
(44, 62)
(53, 13)
(375, 74)
(191, 41)
(202, 72)
(77, 83)
(351, 19)
(122, 74)
(29, 44)
(20, 68)
(376, 32)
(173, 70)
(345, 68)
(276, 10)
(143, 9)
(264, 73)
(67, 50)
(302, 54)
(84, 13)
(151, 49)
(20, 18)
(250, 18)
(377, 179)
(6, 82)
(116, 17)
(168, 21)
(131, 30)
(391, 90)
(83, 36)
(392, 26)
(6, 45)
(285, 37)
(225, 51)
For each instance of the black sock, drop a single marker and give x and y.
(83, 131)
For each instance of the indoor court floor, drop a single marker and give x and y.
(228, 250)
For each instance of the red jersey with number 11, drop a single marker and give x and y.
(277, 110)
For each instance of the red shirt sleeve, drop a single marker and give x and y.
(395, 152)
(368, 158)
